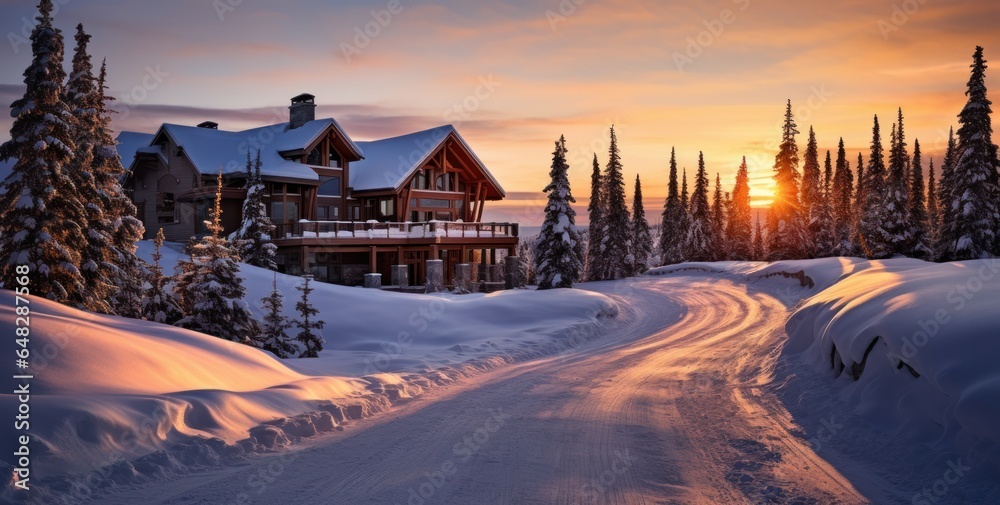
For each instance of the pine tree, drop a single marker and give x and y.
(642, 241)
(759, 252)
(673, 227)
(42, 220)
(947, 227)
(919, 222)
(184, 275)
(700, 243)
(617, 227)
(933, 210)
(859, 203)
(274, 331)
(159, 304)
(721, 249)
(559, 253)
(215, 290)
(898, 225)
(253, 238)
(825, 238)
(974, 193)
(119, 212)
(739, 232)
(786, 235)
(96, 262)
(596, 264)
(811, 193)
(873, 238)
(311, 341)
(843, 194)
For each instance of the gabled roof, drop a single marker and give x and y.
(129, 143)
(389, 163)
(208, 149)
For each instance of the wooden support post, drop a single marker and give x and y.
(371, 260)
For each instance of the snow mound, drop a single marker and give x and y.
(916, 345)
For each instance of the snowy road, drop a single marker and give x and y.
(671, 407)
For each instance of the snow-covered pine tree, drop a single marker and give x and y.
(721, 248)
(811, 193)
(42, 220)
(897, 206)
(642, 241)
(701, 234)
(120, 212)
(617, 226)
(859, 202)
(311, 341)
(873, 237)
(739, 231)
(974, 194)
(786, 231)
(253, 238)
(559, 253)
(825, 238)
(596, 264)
(843, 194)
(673, 230)
(96, 259)
(215, 290)
(933, 209)
(274, 336)
(159, 304)
(947, 227)
(920, 244)
(759, 253)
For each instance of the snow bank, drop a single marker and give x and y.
(916, 345)
(133, 400)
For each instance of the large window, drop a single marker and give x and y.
(165, 208)
(284, 212)
(420, 181)
(315, 157)
(387, 208)
(329, 186)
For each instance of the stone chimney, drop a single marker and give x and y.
(302, 110)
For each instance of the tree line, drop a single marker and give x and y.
(886, 207)
(65, 215)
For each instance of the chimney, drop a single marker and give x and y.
(211, 125)
(302, 110)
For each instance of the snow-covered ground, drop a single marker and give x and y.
(108, 390)
(716, 383)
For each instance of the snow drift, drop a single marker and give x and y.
(916, 347)
(132, 400)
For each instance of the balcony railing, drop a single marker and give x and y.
(377, 230)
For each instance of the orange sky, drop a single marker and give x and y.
(702, 76)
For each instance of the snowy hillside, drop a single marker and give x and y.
(108, 389)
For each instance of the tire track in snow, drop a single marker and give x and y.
(667, 409)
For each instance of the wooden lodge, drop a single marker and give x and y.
(341, 208)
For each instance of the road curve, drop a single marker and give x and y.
(671, 407)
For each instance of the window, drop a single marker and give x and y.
(315, 157)
(420, 181)
(165, 208)
(441, 183)
(355, 211)
(284, 212)
(434, 202)
(329, 186)
(387, 207)
(334, 159)
(322, 212)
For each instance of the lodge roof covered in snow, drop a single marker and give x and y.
(376, 165)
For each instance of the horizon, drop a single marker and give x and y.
(709, 77)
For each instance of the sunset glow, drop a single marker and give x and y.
(699, 76)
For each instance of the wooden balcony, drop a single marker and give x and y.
(377, 233)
